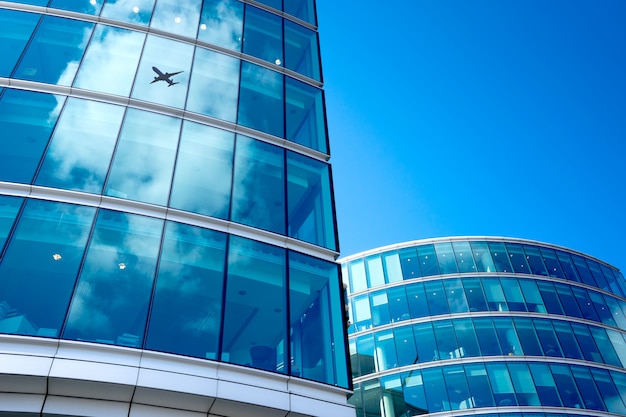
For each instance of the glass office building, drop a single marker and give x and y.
(485, 327)
(167, 227)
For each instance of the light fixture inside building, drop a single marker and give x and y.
(177, 19)
(122, 265)
(56, 257)
(136, 9)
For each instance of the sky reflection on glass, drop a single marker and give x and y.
(221, 23)
(132, 11)
(17, 27)
(175, 16)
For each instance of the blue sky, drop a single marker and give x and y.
(482, 117)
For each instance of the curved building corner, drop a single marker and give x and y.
(167, 225)
(485, 326)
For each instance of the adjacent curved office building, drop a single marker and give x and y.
(167, 226)
(481, 326)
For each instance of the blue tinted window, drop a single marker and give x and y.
(305, 115)
(616, 312)
(416, 297)
(455, 295)
(479, 386)
(214, 85)
(456, 385)
(187, 308)
(129, 12)
(414, 392)
(609, 392)
(82, 145)
(405, 345)
(507, 336)
(302, 9)
(436, 297)
(567, 339)
(532, 296)
(202, 179)
(9, 206)
(144, 158)
(428, 260)
(261, 102)
(547, 337)
(594, 267)
(523, 384)
(494, 295)
(33, 2)
(425, 341)
(503, 392)
(568, 266)
(446, 341)
(584, 302)
(588, 390)
(84, 6)
(518, 259)
(17, 27)
(550, 298)
(445, 257)
(47, 249)
(398, 306)
(55, 52)
(221, 23)
(110, 304)
(310, 208)
(545, 385)
(500, 257)
(263, 35)
(110, 63)
(385, 350)
(365, 354)
(611, 280)
(603, 311)
(277, 4)
(259, 185)
(466, 339)
(255, 295)
(464, 258)
(620, 383)
(552, 263)
(605, 346)
(566, 386)
(513, 294)
(301, 50)
(527, 336)
(409, 263)
(380, 308)
(375, 273)
(586, 342)
(583, 270)
(26, 122)
(482, 256)
(436, 392)
(474, 295)
(567, 300)
(535, 260)
(179, 17)
(487, 338)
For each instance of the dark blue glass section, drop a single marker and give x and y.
(610, 394)
(416, 298)
(479, 386)
(487, 338)
(186, 312)
(474, 295)
(277, 4)
(110, 304)
(55, 52)
(464, 258)
(568, 301)
(39, 269)
(545, 385)
(301, 50)
(503, 392)
(583, 270)
(594, 267)
(584, 302)
(425, 341)
(518, 258)
(500, 257)
(263, 35)
(588, 390)
(398, 306)
(569, 269)
(527, 336)
(302, 9)
(405, 345)
(567, 340)
(547, 337)
(455, 295)
(445, 258)
(436, 297)
(261, 99)
(523, 383)
(26, 122)
(9, 206)
(552, 263)
(535, 260)
(428, 260)
(17, 28)
(436, 392)
(586, 342)
(409, 263)
(256, 294)
(84, 6)
(33, 2)
(566, 385)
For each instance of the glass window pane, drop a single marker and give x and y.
(179, 17)
(214, 86)
(527, 336)
(617, 340)
(482, 256)
(375, 273)
(110, 304)
(315, 319)
(474, 294)
(446, 340)
(393, 270)
(261, 102)
(357, 276)
(523, 384)
(302, 9)
(445, 257)
(259, 185)
(586, 342)
(163, 81)
(478, 383)
(487, 338)
(392, 402)
(587, 387)
(494, 294)
(111, 60)
(594, 267)
(552, 263)
(614, 308)
(309, 197)
(221, 23)
(500, 257)
(566, 386)
(436, 297)
(398, 306)
(584, 302)
(144, 159)
(567, 339)
(545, 385)
(428, 260)
(82, 146)
(372, 393)
(518, 258)
(610, 394)
(414, 396)
(204, 166)
(603, 311)
(301, 50)
(129, 12)
(513, 294)
(88, 7)
(547, 337)
(535, 260)
(55, 51)
(532, 296)
(507, 335)
(611, 280)
(605, 346)
(550, 298)
(380, 308)
(306, 124)
(409, 263)
(405, 345)
(503, 392)
(39, 268)
(568, 266)
(416, 297)
(186, 312)
(619, 379)
(255, 296)
(385, 351)
(362, 312)
(277, 4)
(567, 300)
(26, 122)
(436, 392)
(9, 206)
(17, 28)
(263, 35)
(466, 339)
(456, 385)
(583, 270)
(464, 258)
(456, 296)
(425, 341)
(365, 354)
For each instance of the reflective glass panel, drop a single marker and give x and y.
(456, 385)
(110, 62)
(523, 384)
(583, 270)
(365, 354)
(550, 298)
(261, 102)
(527, 336)
(552, 264)
(566, 385)
(436, 392)
(588, 390)
(584, 302)
(482, 256)
(494, 294)
(425, 341)
(478, 383)
(616, 312)
(416, 297)
(547, 337)
(380, 308)
(393, 270)
(263, 35)
(518, 258)
(214, 86)
(428, 260)
(163, 80)
(186, 312)
(414, 396)
(586, 342)
(385, 350)
(455, 295)
(255, 295)
(133, 12)
(277, 4)
(179, 17)
(362, 312)
(567, 339)
(545, 385)
(464, 258)
(503, 392)
(436, 297)
(620, 383)
(315, 317)
(474, 294)
(594, 267)
(617, 340)
(301, 50)
(55, 51)
(375, 273)
(567, 300)
(611, 280)
(43, 255)
(612, 398)
(569, 270)
(110, 303)
(9, 206)
(487, 338)
(392, 395)
(532, 296)
(305, 115)
(144, 158)
(603, 311)
(358, 278)
(513, 294)
(500, 257)
(409, 263)
(17, 27)
(309, 197)
(26, 122)
(202, 178)
(507, 335)
(259, 185)
(405, 345)
(535, 260)
(466, 339)
(302, 9)
(80, 152)
(81, 6)
(445, 257)
(398, 306)
(605, 346)
(221, 23)
(447, 347)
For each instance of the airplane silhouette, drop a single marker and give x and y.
(164, 77)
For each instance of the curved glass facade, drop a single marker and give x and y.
(472, 325)
(164, 181)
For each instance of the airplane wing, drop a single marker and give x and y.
(171, 74)
(155, 69)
